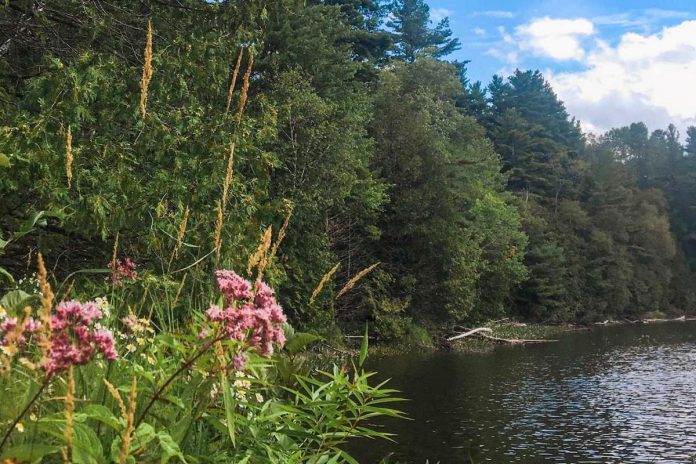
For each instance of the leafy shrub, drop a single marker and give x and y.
(97, 383)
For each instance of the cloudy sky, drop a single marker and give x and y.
(612, 62)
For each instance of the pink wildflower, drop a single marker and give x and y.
(73, 339)
(214, 313)
(31, 325)
(9, 335)
(264, 295)
(8, 324)
(121, 270)
(239, 361)
(255, 322)
(232, 286)
(130, 322)
(105, 342)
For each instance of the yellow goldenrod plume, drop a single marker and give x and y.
(245, 86)
(351, 283)
(117, 396)
(68, 156)
(180, 234)
(257, 259)
(228, 176)
(323, 282)
(130, 425)
(69, 416)
(178, 291)
(114, 253)
(283, 230)
(233, 80)
(218, 233)
(46, 296)
(147, 71)
(45, 289)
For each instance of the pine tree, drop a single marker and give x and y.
(413, 35)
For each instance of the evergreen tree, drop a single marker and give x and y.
(413, 35)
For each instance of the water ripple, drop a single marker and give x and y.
(617, 395)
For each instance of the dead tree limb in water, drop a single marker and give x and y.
(514, 340)
(480, 332)
(469, 333)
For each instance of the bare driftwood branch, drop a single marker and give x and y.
(469, 333)
(518, 341)
(480, 332)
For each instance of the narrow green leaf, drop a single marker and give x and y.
(363, 348)
(229, 406)
(102, 414)
(299, 341)
(29, 452)
(6, 275)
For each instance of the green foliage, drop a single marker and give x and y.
(478, 201)
(449, 236)
(178, 399)
(413, 37)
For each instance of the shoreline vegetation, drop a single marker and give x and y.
(212, 189)
(496, 333)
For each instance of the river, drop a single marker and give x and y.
(618, 394)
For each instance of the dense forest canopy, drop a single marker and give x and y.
(477, 201)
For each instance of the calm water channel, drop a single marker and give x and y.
(621, 394)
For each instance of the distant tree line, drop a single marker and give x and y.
(479, 202)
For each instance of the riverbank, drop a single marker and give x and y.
(510, 333)
(495, 334)
(599, 395)
(500, 332)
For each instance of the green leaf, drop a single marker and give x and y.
(102, 414)
(37, 219)
(363, 348)
(6, 275)
(143, 435)
(229, 406)
(16, 300)
(300, 340)
(5, 161)
(29, 452)
(169, 448)
(87, 449)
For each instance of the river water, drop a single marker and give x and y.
(619, 394)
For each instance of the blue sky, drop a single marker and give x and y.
(611, 62)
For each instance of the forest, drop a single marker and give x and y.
(464, 201)
(194, 194)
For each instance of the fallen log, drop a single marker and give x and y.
(469, 333)
(518, 341)
(480, 332)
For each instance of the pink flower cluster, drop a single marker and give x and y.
(249, 317)
(121, 270)
(13, 335)
(74, 338)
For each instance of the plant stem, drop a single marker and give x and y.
(186, 365)
(24, 411)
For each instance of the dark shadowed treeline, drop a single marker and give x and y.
(478, 202)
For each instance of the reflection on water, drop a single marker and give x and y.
(623, 394)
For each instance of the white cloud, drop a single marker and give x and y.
(667, 14)
(645, 20)
(479, 31)
(438, 14)
(500, 14)
(645, 77)
(558, 39)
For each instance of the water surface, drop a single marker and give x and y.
(621, 394)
